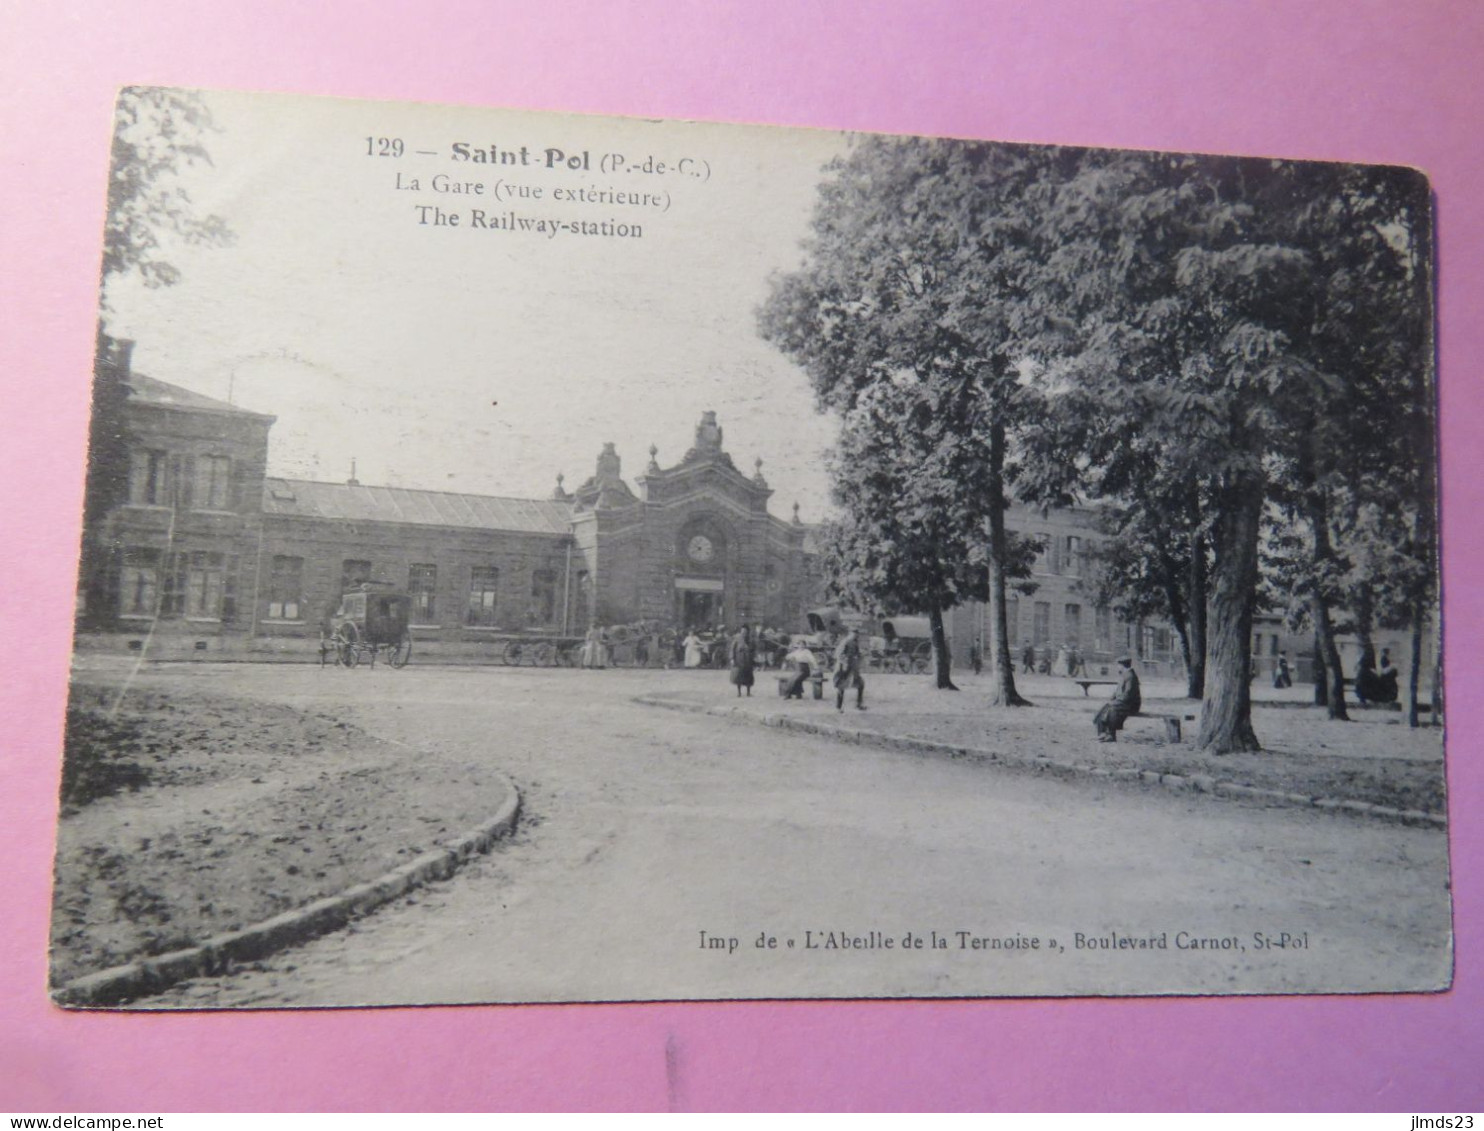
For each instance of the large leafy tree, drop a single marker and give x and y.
(158, 133)
(1186, 374)
(902, 464)
(918, 290)
(1230, 320)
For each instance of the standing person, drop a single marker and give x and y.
(1028, 660)
(1282, 677)
(1063, 662)
(1126, 701)
(848, 671)
(742, 661)
(692, 645)
(976, 657)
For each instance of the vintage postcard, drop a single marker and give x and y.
(537, 558)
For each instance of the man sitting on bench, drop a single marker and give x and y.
(1125, 702)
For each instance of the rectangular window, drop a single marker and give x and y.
(1073, 621)
(353, 573)
(139, 581)
(205, 583)
(1042, 563)
(285, 588)
(422, 587)
(484, 585)
(1041, 629)
(148, 477)
(1074, 555)
(1103, 630)
(212, 483)
(543, 596)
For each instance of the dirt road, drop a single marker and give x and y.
(657, 850)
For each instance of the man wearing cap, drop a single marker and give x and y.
(848, 671)
(1125, 702)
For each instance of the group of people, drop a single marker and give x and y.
(1067, 661)
(697, 650)
(742, 654)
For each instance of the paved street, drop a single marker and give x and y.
(652, 839)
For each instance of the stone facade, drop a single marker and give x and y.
(210, 546)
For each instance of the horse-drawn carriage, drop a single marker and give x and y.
(369, 623)
(901, 644)
(906, 645)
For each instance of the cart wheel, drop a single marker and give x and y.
(513, 653)
(543, 655)
(350, 651)
(399, 653)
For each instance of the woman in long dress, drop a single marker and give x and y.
(742, 661)
(594, 652)
(693, 650)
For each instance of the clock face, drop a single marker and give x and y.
(700, 549)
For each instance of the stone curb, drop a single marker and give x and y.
(1201, 783)
(216, 955)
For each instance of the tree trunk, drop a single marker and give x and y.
(942, 657)
(1324, 641)
(1365, 626)
(1324, 634)
(1195, 605)
(1414, 674)
(1321, 678)
(1179, 615)
(1226, 711)
(1003, 675)
(107, 482)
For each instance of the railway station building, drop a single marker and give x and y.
(206, 552)
(210, 553)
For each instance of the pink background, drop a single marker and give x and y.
(1399, 82)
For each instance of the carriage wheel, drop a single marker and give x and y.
(566, 655)
(399, 653)
(350, 639)
(543, 655)
(512, 653)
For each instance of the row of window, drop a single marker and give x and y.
(199, 584)
(482, 606)
(1152, 640)
(1060, 554)
(160, 479)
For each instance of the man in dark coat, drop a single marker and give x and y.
(1126, 701)
(848, 671)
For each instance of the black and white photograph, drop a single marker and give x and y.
(548, 558)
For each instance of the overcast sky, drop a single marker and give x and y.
(482, 360)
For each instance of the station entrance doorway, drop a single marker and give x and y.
(699, 602)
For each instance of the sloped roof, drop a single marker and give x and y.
(305, 498)
(147, 390)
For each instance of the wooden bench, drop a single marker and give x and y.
(1089, 684)
(816, 683)
(1171, 722)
